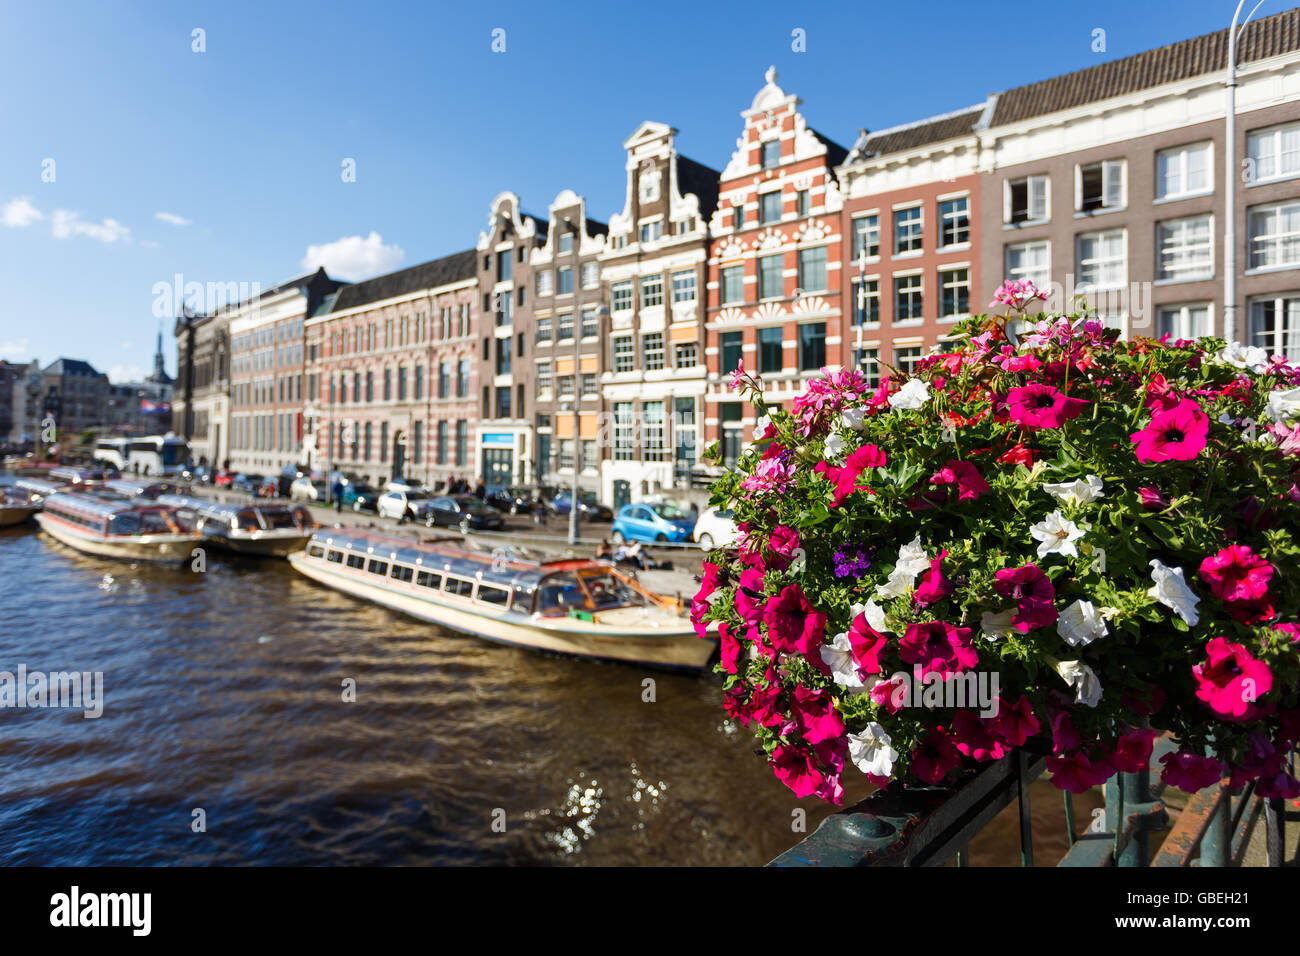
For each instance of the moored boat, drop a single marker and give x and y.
(268, 530)
(36, 490)
(117, 528)
(16, 507)
(147, 490)
(569, 606)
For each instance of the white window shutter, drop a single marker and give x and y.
(1038, 197)
(1113, 181)
(1078, 188)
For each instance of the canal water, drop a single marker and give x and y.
(225, 737)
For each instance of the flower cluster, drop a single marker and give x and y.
(1105, 526)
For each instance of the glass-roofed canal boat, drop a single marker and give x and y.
(510, 595)
(268, 530)
(118, 528)
(16, 506)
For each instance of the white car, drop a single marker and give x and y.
(399, 504)
(308, 489)
(715, 529)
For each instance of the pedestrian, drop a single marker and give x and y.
(337, 492)
(541, 511)
(480, 490)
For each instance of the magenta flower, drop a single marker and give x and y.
(1237, 574)
(793, 624)
(700, 603)
(782, 543)
(1176, 434)
(1133, 750)
(816, 715)
(1016, 293)
(1151, 497)
(1076, 773)
(1033, 591)
(731, 651)
(846, 478)
(1190, 772)
(1065, 737)
(890, 694)
(972, 737)
(797, 770)
(935, 756)
(751, 599)
(938, 646)
(1042, 406)
(1014, 724)
(934, 586)
(1231, 679)
(770, 475)
(867, 644)
(970, 484)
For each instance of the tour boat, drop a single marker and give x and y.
(117, 528)
(36, 490)
(570, 606)
(269, 530)
(136, 488)
(16, 507)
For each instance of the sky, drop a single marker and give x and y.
(138, 156)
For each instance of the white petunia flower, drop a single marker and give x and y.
(1078, 492)
(996, 626)
(1087, 688)
(875, 615)
(911, 396)
(871, 752)
(912, 560)
(1171, 590)
(838, 656)
(1244, 356)
(1283, 404)
(760, 425)
(1081, 623)
(833, 446)
(1056, 535)
(912, 556)
(853, 419)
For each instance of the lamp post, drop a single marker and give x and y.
(1230, 180)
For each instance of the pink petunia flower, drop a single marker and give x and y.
(1013, 724)
(1033, 591)
(700, 603)
(1237, 574)
(793, 624)
(1077, 773)
(1151, 497)
(867, 644)
(1042, 406)
(972, 737)
(938, 647)
(1176, 434)
(1133, 750)
(970, 484)
(796, 768)
(1231, 679)
(816, 715)
(935, 756)
(934, 586)
(731, 651)
(1190, 772)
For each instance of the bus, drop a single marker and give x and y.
(144, 455)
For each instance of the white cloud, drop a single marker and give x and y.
(354, 258)
(14, 349)
(19, 212)
(68, 224)
(120, 374)
(172, 218)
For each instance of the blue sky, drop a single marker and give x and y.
(225, 165)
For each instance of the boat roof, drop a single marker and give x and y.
(217, 509)
(39, 486)
(128, 486)
(508, 565)
(97, 507)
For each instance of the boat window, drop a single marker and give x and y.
(316, 551)
(427, 579)
(246, 520)
(378, 567)
(128, 522)
(459, 586)
(608, 591)
(356, 560)
(156, 522)
(492, 595)
(277, 518)
(560, 593)
(335, 556)
(402, 573)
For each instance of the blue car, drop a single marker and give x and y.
(653, 522)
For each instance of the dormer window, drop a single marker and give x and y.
(652, 231)
(566, 242)
(650, 186)
(771, 153)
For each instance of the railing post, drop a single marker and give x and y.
(1026, 824)
(1216, 845)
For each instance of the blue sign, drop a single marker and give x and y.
(499, 440)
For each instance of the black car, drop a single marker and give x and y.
(462, 511)
(364, 497)
(515, 501)
(589, 508)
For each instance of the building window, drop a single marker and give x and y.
(906, 357)
(544, 330)
(590, 324)
(1275, 326)
(444, 379)
(419, 383)
(866, 301)
(566, 243)
(564, 281)
(566, 386)
(685, 355)
(1183, 321)
(503, 402)
(812, 346)
(545, 380)
(770, 281)
(503, 266)
(545, 282)
(1099, 186)
(564, 454)
(462, 379)
(462, 443)
(1274, 153)
(1182, 172)
(623, 427)
(1103, 262)
(909, 300)
(1030, 260)
(505, 307)
(1185, 249)
(954, 222)
(732, 344)
(401, 383)
(653, 444)
(733, 432)
(503, 357)
(771, 153)
(652, 291)
(771, 351)
(621, 297)
(733, 284)
(866, 236)
(907, 230)
(684, 286)
(1025, 200)
(802, 202)
(652, 231)
(738, 215)
(590, 384)
(383, 441)
(868, 362)
(366, 447)
(954, 293)
(590, 275)
(769, 206)
(684, 437)
(652, 351)
(588, 455)
(442, 443)
(812, 269)
(566, 327)
(1274, 233)
(624, 354)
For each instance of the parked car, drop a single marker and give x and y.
(403, 504)
(248, 484)
(463, 511)
(405, 484)
(589, 509)
(269, 488)
(309, 489)
(516, 501)
(224, 479)
(361, 497)
(715, 528)
(652, 522)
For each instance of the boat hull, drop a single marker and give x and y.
(674, 648)
(16, 514)
(264, 544)
(163, 548)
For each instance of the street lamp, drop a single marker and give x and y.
(1230, 180)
